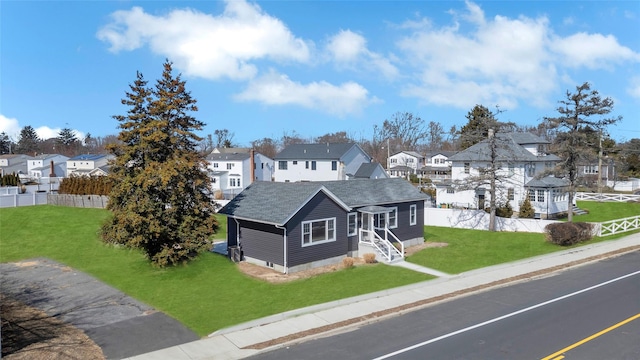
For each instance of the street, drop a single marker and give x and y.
(589, 312)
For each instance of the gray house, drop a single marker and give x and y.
(296, 226)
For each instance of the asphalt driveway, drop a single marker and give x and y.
(119, 324)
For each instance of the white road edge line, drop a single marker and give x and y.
(504, 317)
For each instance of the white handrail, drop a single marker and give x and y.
(387, 243)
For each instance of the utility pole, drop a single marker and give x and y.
(600, 168)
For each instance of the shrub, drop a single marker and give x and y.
(369, 258)
(504, 210)
(526, 210)
(566, 234)
(348, 262)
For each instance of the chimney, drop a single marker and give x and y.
(253, 165)
(52, 172)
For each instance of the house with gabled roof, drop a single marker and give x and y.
(15, 164)
(46, 165)
(233, 169)
(404, 163)
(437, 166)
(523, 160)
(319, 162)
(296, 226)
(88, 164)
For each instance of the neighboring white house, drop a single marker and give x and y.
(523, 159)
(232, 169)
(88, 164)
(319, 162)
(47, 165)
(404, 163)
(15, 164)
(437, 166)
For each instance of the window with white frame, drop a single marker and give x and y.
(334, 165)
(511, 194)
(229, 166)
(234, 182)
(318, 231)
(313, 164)
(295, 162)
(532, 195)
(466, 168)
(413, 214)
(540, 195)
(352, 224)
(215, 165)
(282, 165)
(380, 219)
(591, 169)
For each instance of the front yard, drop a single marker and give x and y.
(211, 292)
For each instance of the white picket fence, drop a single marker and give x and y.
(617, 226)
(606, 197)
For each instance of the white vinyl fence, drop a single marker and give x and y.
(23, 199)
(618, 226)
(606, 197)
(479, 220)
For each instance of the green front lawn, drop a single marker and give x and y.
(208, 294)
(473, 249)
(605, 211)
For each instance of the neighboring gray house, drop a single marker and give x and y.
(319, 162)
(295, 226)
(371, 170)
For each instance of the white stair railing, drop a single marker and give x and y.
(384, 246)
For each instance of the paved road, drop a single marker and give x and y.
(523, 321)
(119, 324)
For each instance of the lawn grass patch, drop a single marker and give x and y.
(206, 294)
(606, 211)
(470, 249)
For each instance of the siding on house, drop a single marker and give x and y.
(319, 207)
(262, 242)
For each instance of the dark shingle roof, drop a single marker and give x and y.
(548, 182)
(328, 151)
(228, 156)
(276, 202)
(508, 149)
(366, 170)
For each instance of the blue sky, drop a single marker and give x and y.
(262, 69)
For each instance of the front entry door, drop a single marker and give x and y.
(367, 224)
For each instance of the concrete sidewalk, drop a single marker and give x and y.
(252, 337)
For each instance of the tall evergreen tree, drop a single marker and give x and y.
(5, 143)
(67, 142)
(161, 197)
(580, 112)
(29, 142)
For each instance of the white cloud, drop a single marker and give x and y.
(9, 126)
(277, 89)
(208, 46)
(500, 61)
(349, 50)
(594, 51)
(634, 87)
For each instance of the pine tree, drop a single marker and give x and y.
(579, 113)
(67, 142)
(526, 210)
(29, 142)
(5, 143)
(161, 198)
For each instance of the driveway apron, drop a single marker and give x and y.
(119, 324)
